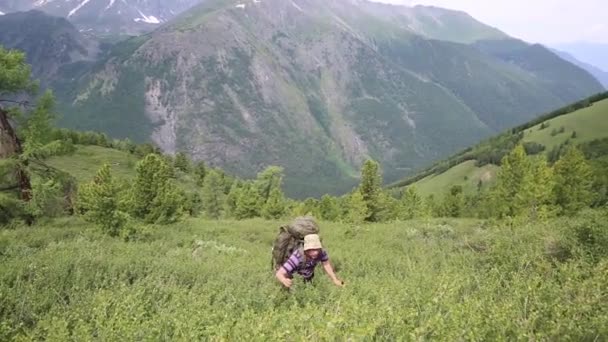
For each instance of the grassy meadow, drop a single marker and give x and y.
(210, 280)
(589, 123)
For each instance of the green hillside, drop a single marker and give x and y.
(588, 123)
(466, 175)
(86, 161)
(469, 167)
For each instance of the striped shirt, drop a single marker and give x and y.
(305, 268)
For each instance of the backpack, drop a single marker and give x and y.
(290, 238)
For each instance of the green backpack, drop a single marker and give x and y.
(290, 238)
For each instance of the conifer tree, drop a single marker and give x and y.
(213, 195)
(274, 207)
(154, 198)
(411, 204)
(512, 192)
(200, 170)
(247, 205)
(541, 188)
(574, 179)
(231, 199)
(357, 208)
(267, 180)
(454, 202)
(328, 208)
(370, 189)
(98, 202)
(182, 162)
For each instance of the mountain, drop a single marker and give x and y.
(317, 87)
(598, 73)
(593, 53)
(49, 42)
(106, 17)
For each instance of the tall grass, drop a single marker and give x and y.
(200, 280)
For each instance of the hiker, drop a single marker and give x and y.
(303, 261)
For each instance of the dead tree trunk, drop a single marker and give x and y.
(11, 146)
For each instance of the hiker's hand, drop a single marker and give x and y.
(339, 283)
(287, 282)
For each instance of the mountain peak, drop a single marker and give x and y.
(107, 17)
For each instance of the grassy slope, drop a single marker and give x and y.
(589, 123)
(443, 280)
(85, 162)
(440, 184)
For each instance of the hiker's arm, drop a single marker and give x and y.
(282, 277)
(330, 272)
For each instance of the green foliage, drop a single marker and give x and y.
(523, 187)
(358, 210)
(274, 207)
(154, 197)
(454, 202)
(574, 179)
(590, 230)
(98, 202)
(329, 209)
(266, 181)
(47, 199)
(200, 170)
(411, 205)
(231, 200)
(247, 204)
(370, 189)
(182, 162)
(514, 177)
(447, 280)
(14, 73)
(213, 195)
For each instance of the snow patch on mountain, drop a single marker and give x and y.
(110, 4)
(147, 19)
(77, 8)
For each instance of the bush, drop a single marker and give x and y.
(590, 231)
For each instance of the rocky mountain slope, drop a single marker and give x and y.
(49, 42)
(317, 87)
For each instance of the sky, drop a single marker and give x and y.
(550, 22)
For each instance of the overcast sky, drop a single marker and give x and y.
(536, 21)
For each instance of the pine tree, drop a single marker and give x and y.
(213, 195)
(512, 192)
(357, 208)
(154, 198)
(182, 162)
(574, 179)
(454, 202)
(328, 208)
(411, 204)
(200, 170)
(274, 207)
(541, 188)
(370, 188)
(230, 201)
(247, 205)
(267, 180)
(98, 202)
